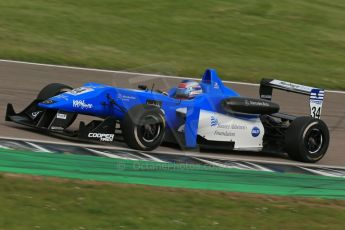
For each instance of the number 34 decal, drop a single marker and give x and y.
(315, 102)
(316, 112)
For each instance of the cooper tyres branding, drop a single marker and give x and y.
(106, 137)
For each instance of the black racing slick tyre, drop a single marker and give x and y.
(307, 139)
(52, 90)
(143, 127)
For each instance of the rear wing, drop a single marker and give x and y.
(316, 95)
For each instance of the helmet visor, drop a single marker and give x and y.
(183, 92)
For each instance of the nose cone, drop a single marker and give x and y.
(71, 103)
(85, 100)
(75, 99)
(59, 102)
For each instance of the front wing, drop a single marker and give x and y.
(57, 123)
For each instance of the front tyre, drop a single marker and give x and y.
(307, 139)
(52, 90)
(143, 127)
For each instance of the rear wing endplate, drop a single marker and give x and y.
(316, 95)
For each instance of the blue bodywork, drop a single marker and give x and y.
(104, 101)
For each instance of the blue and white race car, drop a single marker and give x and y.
(192, 115)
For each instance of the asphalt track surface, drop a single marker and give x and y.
(20, 83)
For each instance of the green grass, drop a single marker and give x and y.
(297, 40)
(42, 203)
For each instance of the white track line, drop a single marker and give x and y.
(108, 154)
(152, 157)
(218, 164)
(65, 143)
(134, 73)
(39, 148)
(259, 167)
(322, 173)
(4, 147)
(235, 165)
(180, 153)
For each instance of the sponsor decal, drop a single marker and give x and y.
(125, 97)
(56, 128)
(291, 86)
(255, 132)
(81, 104)
(35, 114)
(256, 103)
(217, 124)
(79, 91)
(61, 116)
(267, 97)
(48, 102)
(231, 126)
(214, 121)
(317, 94)
(315, 102)
(224, 133)
(216, 85)
(102, 136)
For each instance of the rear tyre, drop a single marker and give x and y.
(52, 90)
(307, 139)
(143, 127)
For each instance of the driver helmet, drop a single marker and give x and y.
(188, 89)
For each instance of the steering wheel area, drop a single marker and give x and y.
(145, 88)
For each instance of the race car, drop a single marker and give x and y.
(204, 114)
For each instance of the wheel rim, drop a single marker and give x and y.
(150, 129)
(314, 141)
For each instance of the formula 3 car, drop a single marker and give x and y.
(211, 115)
